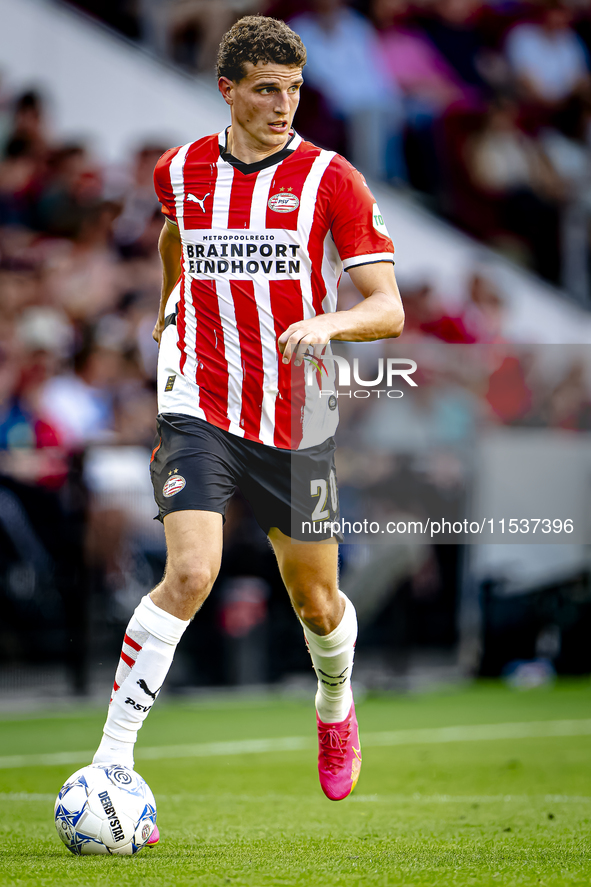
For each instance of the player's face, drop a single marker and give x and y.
(263, 103)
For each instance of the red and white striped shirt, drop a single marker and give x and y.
(263, 246)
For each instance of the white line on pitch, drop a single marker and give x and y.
(427, 735)
(397, 799)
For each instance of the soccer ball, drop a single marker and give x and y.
(105, 808)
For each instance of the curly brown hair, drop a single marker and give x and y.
(258, 38)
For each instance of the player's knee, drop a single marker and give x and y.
(319, 609)
(190, 579)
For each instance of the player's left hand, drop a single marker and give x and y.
(306, 337)
(158, 330)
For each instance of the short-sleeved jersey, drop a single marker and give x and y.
(263, 246)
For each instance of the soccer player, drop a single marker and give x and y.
(259, 225)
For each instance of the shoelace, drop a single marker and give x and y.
(334, 747)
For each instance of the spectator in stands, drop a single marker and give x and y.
(83, 277)
(80, 404)
(345, 66)
(568, 147)
(166, 25)
(511, 169)
(72, 186)
(568, 404)
(453, 30)
(24, 153)
(509, 395)
(548, 59)
(484, 314)
(29, 121)
(139, 204)
(427, 316)
(30, 448)
(18, 171)
(426, 79)
(480, 320)
(428, 84)
(21, 288)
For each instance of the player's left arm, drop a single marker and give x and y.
(379, 316)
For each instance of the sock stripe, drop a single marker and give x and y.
(143, 663)
(131, 643)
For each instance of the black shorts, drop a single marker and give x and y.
(196, 466)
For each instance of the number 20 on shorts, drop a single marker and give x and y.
(320, 488)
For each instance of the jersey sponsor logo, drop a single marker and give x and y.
(283, 203)
(173, 485)
(378, 221)
(170, 383)
(266, 256)
(200, 201)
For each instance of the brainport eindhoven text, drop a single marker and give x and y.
(228, 258)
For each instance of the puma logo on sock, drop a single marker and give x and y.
(142, 684)
(335, 679)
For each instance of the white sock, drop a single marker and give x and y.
(332, 658)
(148, 649)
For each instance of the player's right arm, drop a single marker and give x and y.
(169, 244)
(169, 247)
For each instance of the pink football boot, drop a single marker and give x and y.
(339, 756)
(154, 838)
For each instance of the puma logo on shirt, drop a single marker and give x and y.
(197, 200)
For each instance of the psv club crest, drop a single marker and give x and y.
(283, 202)
(173, 485)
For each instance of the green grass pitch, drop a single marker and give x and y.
(432, 807)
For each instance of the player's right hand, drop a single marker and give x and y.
(306, 336)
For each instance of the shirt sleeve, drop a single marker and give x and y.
(163, 186)
(356, 224)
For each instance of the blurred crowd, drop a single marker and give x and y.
(481, 107)
(79, 290)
